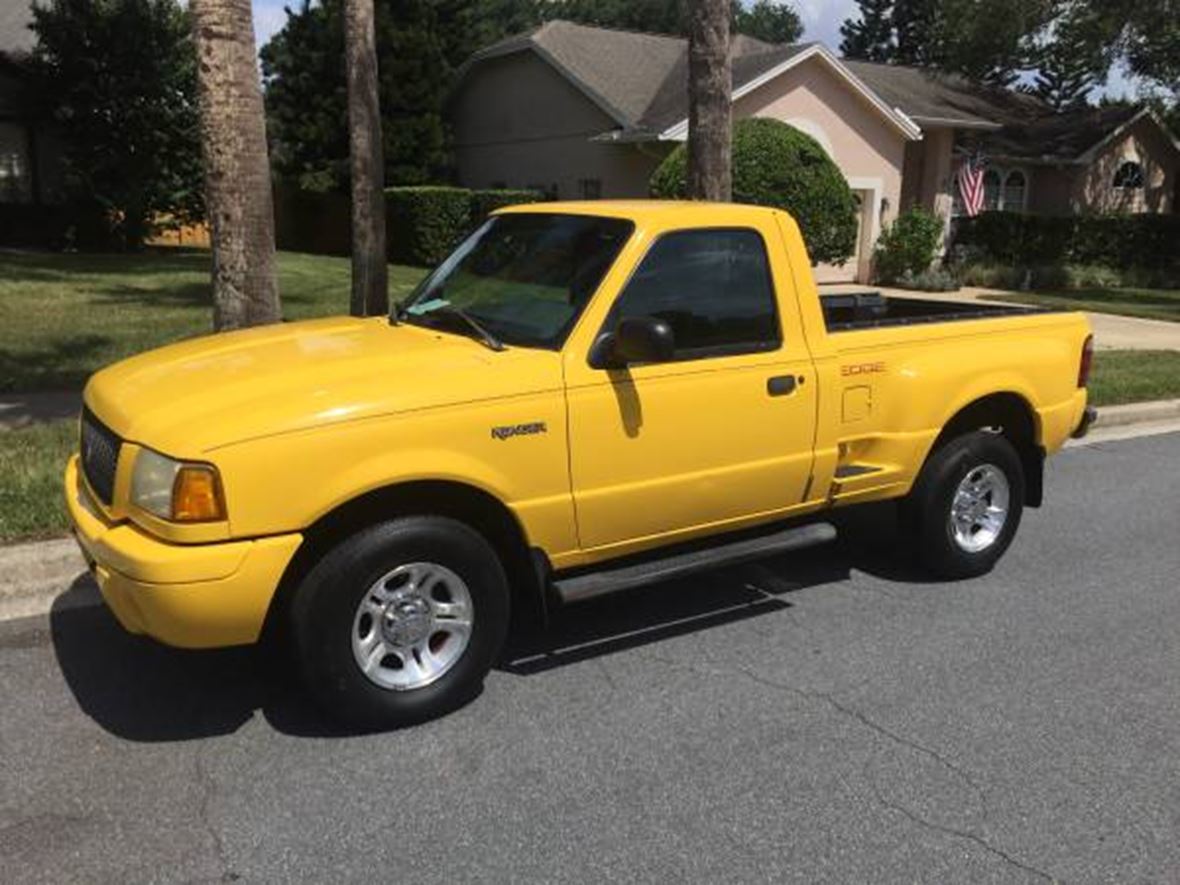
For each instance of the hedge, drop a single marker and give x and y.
(484, 203)
(1143, 241)
(426, 223)
(423, 223)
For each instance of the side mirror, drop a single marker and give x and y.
(634, 340)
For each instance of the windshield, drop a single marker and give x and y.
(524, 278)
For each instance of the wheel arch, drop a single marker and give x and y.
(475, 507)
(1012, 415)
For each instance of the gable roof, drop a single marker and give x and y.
(1067, 136)
(640, 80)
(937, 98)
(16, 37)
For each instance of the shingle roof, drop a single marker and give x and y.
(642, 81)
(1062, 136)
(923, 94)
(16, 39)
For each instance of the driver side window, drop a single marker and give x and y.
(712, 287)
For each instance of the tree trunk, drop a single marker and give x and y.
(370, 292)
(237, 171)
(710, 84)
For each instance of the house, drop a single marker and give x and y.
(30, 155)
(587, 112)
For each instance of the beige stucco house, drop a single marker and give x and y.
(584, 112)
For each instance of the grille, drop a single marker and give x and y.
(100, 456)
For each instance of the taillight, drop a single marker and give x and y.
(1086, 361)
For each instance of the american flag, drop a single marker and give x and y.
(970, 180)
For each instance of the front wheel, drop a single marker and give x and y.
(966, 505)
(401, 622)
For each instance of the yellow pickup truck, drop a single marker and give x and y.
(582, 398)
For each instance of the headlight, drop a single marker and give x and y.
(179, 491)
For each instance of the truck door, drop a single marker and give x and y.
(721, 432)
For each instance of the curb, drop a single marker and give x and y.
(1138, 413)
(33, 575)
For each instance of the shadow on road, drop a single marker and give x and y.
(140, 690)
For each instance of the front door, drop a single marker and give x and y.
(723, 431)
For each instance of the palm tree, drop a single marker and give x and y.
(710, 84)
(237, 170)
(370, 293)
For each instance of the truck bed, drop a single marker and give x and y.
(848, 311)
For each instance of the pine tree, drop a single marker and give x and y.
(869, 38)
(917, 26)
(1065, 77)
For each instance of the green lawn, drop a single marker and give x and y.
(31, 463)
(1152, 304)
(64, 315)
(1132, 376)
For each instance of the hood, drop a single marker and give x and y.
(189, 398)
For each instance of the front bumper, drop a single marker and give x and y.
(187, 595)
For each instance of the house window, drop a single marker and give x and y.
(1129, 176)
(16, 182)
(1015, 188)
(590, 188)
(991, 190)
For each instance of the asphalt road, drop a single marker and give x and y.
(826, 716)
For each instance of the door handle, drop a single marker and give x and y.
(781, 385)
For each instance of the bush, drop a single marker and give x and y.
(425, 223)
(1143, 242)
(908, 246)
(775, 164)
(485, 202)
(933, 279)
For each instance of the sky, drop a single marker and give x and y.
(821, 21)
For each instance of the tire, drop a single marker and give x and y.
(953, 514)
(423, 601)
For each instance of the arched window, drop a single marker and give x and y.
(1129, 176)
(1014, 189)
(991, 190)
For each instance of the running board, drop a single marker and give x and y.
(611, 580)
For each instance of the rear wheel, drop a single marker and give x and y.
(966, 505)
(401, 622)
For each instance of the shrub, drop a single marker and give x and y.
(1144, 242)
(775, 164)
(485, 202)
(933, 279)
(425, 223)
(908, 246)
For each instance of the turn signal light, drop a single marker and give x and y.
(196, 495)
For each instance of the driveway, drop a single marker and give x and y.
(1111, 332)
(823, 717)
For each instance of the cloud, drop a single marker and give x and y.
(269, 18)
(822, 19)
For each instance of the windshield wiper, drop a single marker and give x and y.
(482, 335)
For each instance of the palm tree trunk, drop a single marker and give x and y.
(710, 84)
(237, 170)
(370, 292)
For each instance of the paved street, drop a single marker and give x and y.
(820, 717)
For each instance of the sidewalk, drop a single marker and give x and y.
(1111, 331)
